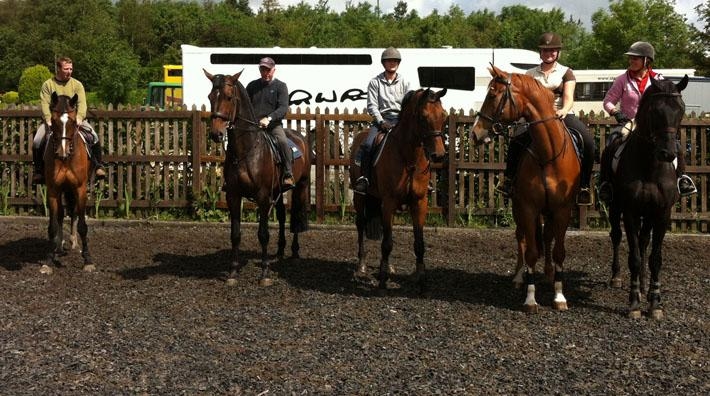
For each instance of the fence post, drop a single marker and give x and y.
(321, 138)
(198, 136)
(451, 169)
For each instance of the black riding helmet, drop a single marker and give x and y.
(644, 50)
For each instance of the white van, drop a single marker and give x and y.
(338, 77)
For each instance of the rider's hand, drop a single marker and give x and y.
(264, 122)
(561, 114)
(386, 125)
(79, 120)
(621, 118)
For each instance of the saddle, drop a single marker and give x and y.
(276, 150)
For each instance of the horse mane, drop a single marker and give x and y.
(408, 97)
(534, 89)
(245, 100)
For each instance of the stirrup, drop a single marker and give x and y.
(361, 185)
(584, 197)
(605, 192)
(687, 188)
(504, 187)
(287, 183)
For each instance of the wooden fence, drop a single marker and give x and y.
(162, 160)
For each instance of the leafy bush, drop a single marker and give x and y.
(31, 82)
(11, 97)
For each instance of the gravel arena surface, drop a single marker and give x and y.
(157, 317)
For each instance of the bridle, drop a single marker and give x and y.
(220, 82)
(498, 127)
(61, 141)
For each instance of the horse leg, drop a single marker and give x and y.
(82, 228)
(281, 217)
(299, 214)
(359, 203)
(418, 211)
(263, 234)
(235, 214)
(546, 235)
(615, 236)
(559, 223)
(54, 232)
(644, 239)
(387, 243)
(528, 246)
(631, 226)
(655, 261)
(518, 278)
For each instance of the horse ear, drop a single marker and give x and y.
(210, 76)
(683, 83)
(236, 76)
(74, 100)
(441, 93)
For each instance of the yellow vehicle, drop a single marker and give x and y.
(166, 93)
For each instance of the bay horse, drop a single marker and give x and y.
(252, 171)
(400, 177)
(645, 190)
(66, 173)
(547, 178)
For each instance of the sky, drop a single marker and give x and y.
(577, 9)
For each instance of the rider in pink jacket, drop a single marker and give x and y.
(626, 91)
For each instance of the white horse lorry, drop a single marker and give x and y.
(338, 77)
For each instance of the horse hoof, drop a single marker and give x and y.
(89, 268)
(45, 269)
(518, 285)
(231, 282)
(635, 314)
(531, 309)
(560, 306)
(656, 314)
(266, 282)
(615, 283)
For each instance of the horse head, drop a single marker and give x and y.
(659, 116)
(226, 99)
(510, 96)
(431, 117)
(63, 112)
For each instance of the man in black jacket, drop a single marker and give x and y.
(269, 96)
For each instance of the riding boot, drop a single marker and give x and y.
(96, 154)
(584, 197)
(287, 155)
(38, 160)
(515, 150)
(686, 186)
(363, 181)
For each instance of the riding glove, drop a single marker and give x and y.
(386, 125)
(621, 118)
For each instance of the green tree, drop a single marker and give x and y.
(628, 21)
(31, 82)
(701, 51)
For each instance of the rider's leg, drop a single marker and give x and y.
(363, 157)
(686, 186)
(38, 155)
(96, 152)
(286, 154)
(606, 192)
(516, 145)
(584, 197)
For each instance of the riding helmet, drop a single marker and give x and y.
(641, 49)
(391, 53)
(549, 40)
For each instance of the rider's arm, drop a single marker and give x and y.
(567, 98)
(45, 96)
(281, 103)
(373, 100)
(614, 95)
(78, 89)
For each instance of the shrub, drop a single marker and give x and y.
(31, 82)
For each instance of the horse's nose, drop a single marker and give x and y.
(666, 155)
(216, 135)
(436, 157)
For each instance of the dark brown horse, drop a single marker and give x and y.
(547, 179)
(400, 177)
(66, 173)
(252, 171)
(645, 190)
